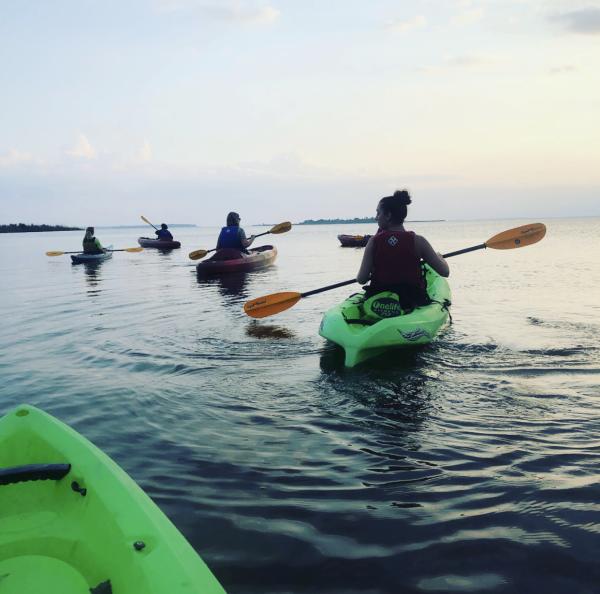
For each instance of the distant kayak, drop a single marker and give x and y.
(147, 242)
(91, 258)
(228, 260)
(363, 336)
(354, 240)
(72, 521)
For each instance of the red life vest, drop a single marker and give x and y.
(395, 260)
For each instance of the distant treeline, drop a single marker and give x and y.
(23, 228)
(142, 226)
(337, 221)
(355, 221)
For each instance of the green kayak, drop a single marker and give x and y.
(364, 331)
(73, 522)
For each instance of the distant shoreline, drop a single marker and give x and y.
(23, 228)
(357, 221)
(141, 226)
(31, 228)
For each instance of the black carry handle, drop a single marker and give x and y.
(33, 472)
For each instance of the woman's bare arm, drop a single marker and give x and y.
(364, 272)
(246, 241)
(431, 257)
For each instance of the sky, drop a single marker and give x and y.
(182, 110)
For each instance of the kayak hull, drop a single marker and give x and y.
(159, 244)
(91, 258)
(259, 258)
(363, 342)
(72, 521)
(354, 240)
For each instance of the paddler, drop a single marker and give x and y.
(233, 236)
(91, 244)
(393, 257)
(163, 233)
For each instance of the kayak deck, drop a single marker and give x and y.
(72, 521)
(160, 244)
(83, 258)
(363, 341)
(258, 258)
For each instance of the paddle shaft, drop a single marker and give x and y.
(481, 246)
(328, 288)
(80, 252)
(349, 282)
(149, 223)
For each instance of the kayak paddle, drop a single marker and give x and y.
(147, 221)
(133, 249)
(269, 305)
(276, 229)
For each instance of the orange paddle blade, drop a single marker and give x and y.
(517, 237)
(197, 254)
(54, 253)
(269, 305)
(281, 227)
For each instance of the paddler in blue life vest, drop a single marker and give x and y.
(91, 244)
(393, 257)
(233, 236)
(163, 233)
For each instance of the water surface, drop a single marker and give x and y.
(466, 466)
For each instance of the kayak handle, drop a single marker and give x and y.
(33, 472)
(78, 488)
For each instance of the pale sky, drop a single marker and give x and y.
(182, 110)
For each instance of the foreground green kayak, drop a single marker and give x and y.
(73, 522)
(364, 336)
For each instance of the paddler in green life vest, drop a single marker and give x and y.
(393, 257)
(91, 244)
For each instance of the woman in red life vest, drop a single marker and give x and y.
(392, 258)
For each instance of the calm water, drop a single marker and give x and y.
(467, 466)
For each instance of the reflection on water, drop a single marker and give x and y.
(257, 329)
(230, 285)
(93, 277)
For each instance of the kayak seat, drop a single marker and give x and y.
(227, 254)
(33, 472)
(367, 311)
(103, 588)
(362, 321)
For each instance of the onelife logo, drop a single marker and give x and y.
(386, 307)
(393, 240)
(415, 334)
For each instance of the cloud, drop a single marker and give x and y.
(402, 26)
(566, 69)
(468, 17)
(585, 20)
(145, 153)
(83, 149)
(243, 12)
(238, 13)
(466, 61)
(15, 157)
